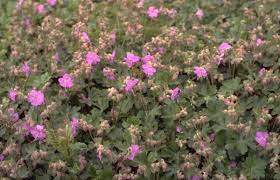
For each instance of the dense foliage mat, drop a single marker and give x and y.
(139, 89)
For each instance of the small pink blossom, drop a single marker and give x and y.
(200, 72)
(212, 137)
(178, 129)
(219, 59)
(148, 58)
(27, 23)
(131, 59)
(153, 12)
(25, 69)
(261, 138)
(161, 50)
(40, 8)
(74, 126)
(99, 155)
(38, 132)
(199, 13)
(202, 145)
(109, 73)
(66, 81)
(52, 2)
(111, 57)
(85, 37)
(56, 57)
(140, 4)
(25, 128)
(175, 93)
(13, 114)
(148, 69)
(171, 13)
(113, 37)
(195, 177)
(233, 164)
(100, 149)
(2, 157)
(36, 98)
(134, 150)
(130, 84)
(12, 95)
(92, 58)
(259, 42)
(19, 4)
(224, 47)
(262, 72)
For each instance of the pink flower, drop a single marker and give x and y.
(233, 164)
(12, 95)
(19, 4)
(66, 81)
(148, 58)
(161, 50)
(261, 138)
(178, 129)
(195, 177)
(113, 37)
(38, 132)
(56, 57)
(40, 8)
(171, 13)
(200, 72)
(175, 93)
(74, 126)
(36, 98)
(224, 47)
(92, 58)
(25, 128)
(262, 72)
(13, 114)
(111, 57)
(140, 4)
(2, 157)
(27, 23)
(134, 150)
(25, 68)
(199, 13)
(100, 149)
(130, 84)
(153, 12)
(52, 2)
(212, 137)
(109, 73)
(148, 69)
(131, 59)
(259, 42)
(85, 37)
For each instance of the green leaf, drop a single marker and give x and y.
(230, 86)
(162, 77)
(78, 146)
(103, 103)
(44, 177)
(125, 105)
(254, 167)
(133, 120)
(39, 81)
(22, 172)
(152, 157)
(242, 146)
(105, 174)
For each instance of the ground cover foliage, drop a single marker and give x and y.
(139, 89)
